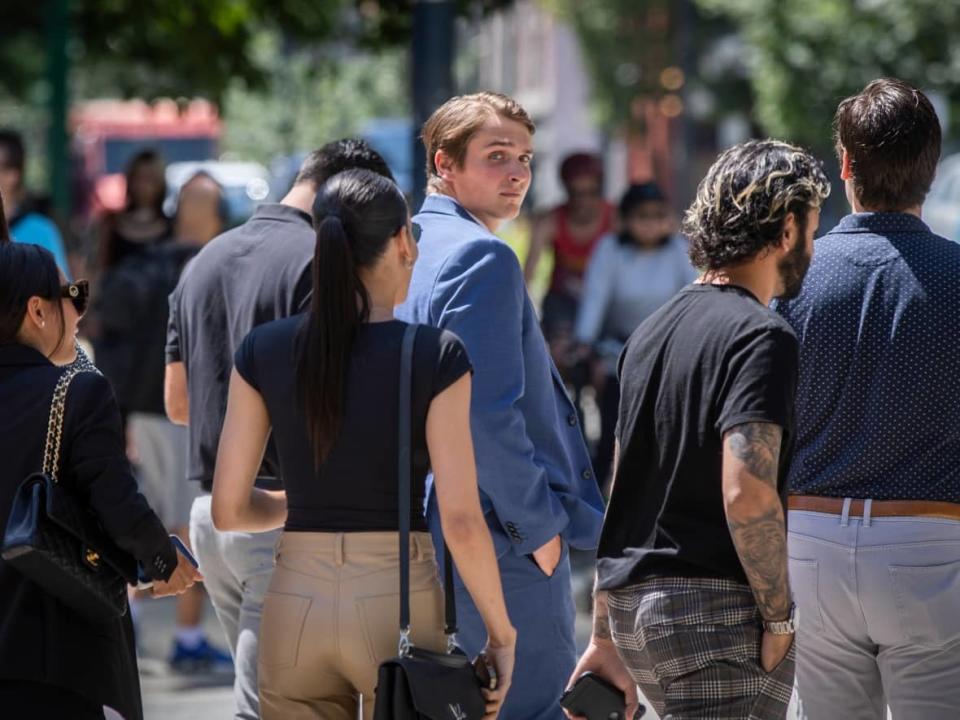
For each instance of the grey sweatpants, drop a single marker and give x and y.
(236, 568)
(879, 616)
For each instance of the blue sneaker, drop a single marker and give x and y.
(202, 658)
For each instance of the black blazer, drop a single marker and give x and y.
(41, 639)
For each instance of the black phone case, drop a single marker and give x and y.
(594, 698)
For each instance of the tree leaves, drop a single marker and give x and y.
(150, 48)
(806, 55)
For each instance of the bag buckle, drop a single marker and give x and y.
(91, 558)
(405, 644)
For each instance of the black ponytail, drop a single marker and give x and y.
(355, 214)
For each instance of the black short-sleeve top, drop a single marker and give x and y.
(355, 489)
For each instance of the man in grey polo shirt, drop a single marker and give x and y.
(247, 276)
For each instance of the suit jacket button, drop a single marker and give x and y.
(572, 419)
(587, 474)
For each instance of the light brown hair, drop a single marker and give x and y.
(453, 125)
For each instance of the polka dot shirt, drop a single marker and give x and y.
(878, 402)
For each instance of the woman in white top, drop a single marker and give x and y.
(630, 275)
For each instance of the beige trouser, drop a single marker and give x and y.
(331, 616)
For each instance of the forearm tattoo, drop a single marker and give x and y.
(761, 537)
(761, 543)
(601, 616)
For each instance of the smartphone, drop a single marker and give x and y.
(145, 583)
(486, 672)
(594, 698)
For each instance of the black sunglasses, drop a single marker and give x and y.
(78, 293)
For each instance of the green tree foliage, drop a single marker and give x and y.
(299, 109)
(628, 43)
(150, 48)
(625, 43)
(804, 56)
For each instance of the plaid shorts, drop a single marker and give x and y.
(693, 647)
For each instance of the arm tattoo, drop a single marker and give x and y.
(761, 543)
(756, 524)
(757, 446)
(601, 616)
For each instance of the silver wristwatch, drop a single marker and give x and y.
(783, 627)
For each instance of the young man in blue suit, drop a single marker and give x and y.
(536, 482)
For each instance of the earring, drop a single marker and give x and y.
(43, 324)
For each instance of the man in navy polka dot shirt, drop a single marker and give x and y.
(874, 515)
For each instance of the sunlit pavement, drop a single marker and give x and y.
(173, 696)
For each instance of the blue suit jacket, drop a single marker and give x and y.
(532, 464)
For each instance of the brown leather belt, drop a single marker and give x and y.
(879, 508)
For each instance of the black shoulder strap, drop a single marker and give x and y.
(405, 494)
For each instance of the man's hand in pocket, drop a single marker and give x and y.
(773, 650)
(548, 556)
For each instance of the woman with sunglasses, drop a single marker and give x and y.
(327, 384)
(53, 661)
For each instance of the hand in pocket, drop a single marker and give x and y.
(548, 557)
(774, 650)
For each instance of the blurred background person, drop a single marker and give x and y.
(571, 231)
(142, 222)
(26, 224)
(133, 309)
(632, 273)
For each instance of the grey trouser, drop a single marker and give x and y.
(879, 615)
(693, 647)
(236, 569)
(162, 465)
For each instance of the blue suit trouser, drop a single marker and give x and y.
(542, 610)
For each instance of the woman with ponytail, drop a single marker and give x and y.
(326, 383)
(54, 662)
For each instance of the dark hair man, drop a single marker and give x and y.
(26, 225)
(249, 275)
(536, 483)
(692, 588)
(875, 489)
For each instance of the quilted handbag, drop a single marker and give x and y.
(56, 541)
(422, 684)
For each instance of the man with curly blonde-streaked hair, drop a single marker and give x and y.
(693, 599)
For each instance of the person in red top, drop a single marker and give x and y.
(573, 231)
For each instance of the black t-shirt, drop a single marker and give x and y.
(710, 359)
(252, 274)
(355, 489)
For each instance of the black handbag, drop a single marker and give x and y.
(56, 541)
(422, 684)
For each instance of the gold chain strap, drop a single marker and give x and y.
(51, 451)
